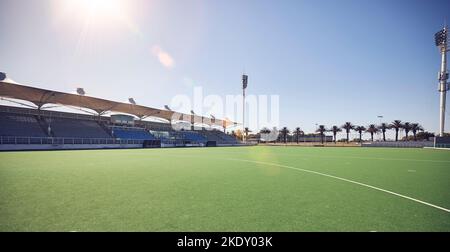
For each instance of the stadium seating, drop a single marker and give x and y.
(64, 127)
(131, 133)
(193, 136)
(227, 138)
(20, 125)
(155, 126)
(219, 137)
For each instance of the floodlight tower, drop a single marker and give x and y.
(244, 86)
(80, 91)
(441, 39)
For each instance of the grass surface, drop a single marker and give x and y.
(224, 189)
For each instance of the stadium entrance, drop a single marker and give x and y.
(152, 144)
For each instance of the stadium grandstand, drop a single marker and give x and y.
(37, 128)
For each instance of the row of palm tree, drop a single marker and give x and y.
(373, 129)
(396, 125)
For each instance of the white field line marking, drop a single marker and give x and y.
(345, 156)
(355, 157)
(325, 175)
(377, 158)
(447, 149)
(346, 180)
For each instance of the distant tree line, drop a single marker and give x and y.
(284, 135)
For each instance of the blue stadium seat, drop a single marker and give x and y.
(25, 125)
(193, 136)
(132, 133)
(219, 137)
(20, 125)
(75, 128)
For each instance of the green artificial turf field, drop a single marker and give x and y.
(226, 189)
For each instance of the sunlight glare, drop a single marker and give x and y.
(98, 9)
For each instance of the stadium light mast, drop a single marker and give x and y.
(132, 101)
(441, 40)
(168, 109)
(192, 120)
(213, 121)
(244, 86)
(133, 104)
(379, 119)
(80, 91)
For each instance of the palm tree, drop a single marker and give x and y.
(321, 130)
(383, 127)
(360, 130)
(335, 129)
(372, 129)
(263, 134)
(414, 128)
(264, 131)
(397, 125)
(424, 135)
(348, 126)
(298, 132)
(246, 131)
(284, 132)
(407, 128)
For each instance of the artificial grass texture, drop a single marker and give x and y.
(215, 189)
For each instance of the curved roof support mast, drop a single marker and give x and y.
(45, 98)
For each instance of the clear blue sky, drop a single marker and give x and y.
(330, 61)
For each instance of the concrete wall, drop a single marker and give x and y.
(238, 144)
(402, 144)
(5, 147)
(19, 147)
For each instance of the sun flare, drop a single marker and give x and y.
(101, 7)
(97, 8)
